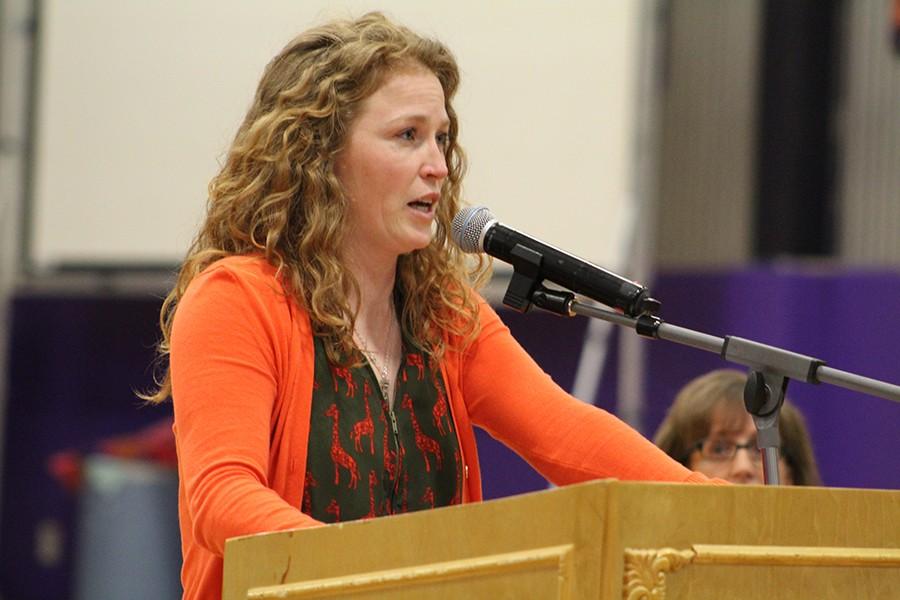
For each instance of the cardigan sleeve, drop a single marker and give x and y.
(226, 348)
(566, 440)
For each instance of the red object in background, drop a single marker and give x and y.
(155, 444)
(896, 27)
(66, 469)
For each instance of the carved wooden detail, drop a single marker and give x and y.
(645, 571)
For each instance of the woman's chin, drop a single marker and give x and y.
(417, 242)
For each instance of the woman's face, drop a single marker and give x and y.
(745, 467)
(393, 165)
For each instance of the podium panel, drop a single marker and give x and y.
(763, 574)
(604, 539)
(543, 573)
(753, 542)
(533, 544)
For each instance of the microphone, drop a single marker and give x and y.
(476, 229)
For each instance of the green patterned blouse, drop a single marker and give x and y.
(365, 460)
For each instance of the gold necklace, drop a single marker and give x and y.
(383, 381)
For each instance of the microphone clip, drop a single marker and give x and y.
(526, 286)
(525, 279)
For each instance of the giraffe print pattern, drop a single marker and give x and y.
(357, 467)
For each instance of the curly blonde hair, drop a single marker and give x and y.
(277, 194)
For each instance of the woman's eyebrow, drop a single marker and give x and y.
(418, 118)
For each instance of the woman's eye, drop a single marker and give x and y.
(408, 134)
(720, 448)
(443, 139)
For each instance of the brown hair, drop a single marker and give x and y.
(689, 419)
(277, 194)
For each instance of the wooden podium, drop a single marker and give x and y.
(598, 540)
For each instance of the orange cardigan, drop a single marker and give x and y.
(242, 373)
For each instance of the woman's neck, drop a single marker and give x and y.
(377, 331)
(376, 277)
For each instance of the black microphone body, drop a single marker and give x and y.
(557, 266)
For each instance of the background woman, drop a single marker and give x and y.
(708, 429)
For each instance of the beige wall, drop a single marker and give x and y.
(140, 99)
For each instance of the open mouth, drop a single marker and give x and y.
(424, 205)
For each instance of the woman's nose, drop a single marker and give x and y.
(743, 468)
(435, 163)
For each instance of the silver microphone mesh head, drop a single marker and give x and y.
(469, 226)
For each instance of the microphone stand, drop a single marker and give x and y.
(771, 368)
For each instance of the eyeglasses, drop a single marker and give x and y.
(719, 450)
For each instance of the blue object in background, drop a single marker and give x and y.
(127, 531)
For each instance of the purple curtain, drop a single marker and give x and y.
(848, 318)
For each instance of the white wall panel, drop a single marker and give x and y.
(869, 185)
(707, 166)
